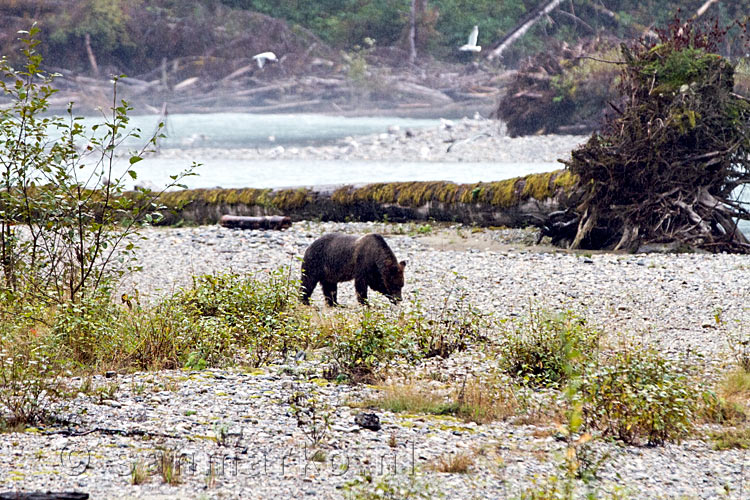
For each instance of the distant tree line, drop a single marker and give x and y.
(135, 35)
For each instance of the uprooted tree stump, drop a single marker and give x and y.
(667, 167)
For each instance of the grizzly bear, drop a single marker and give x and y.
(367, 260)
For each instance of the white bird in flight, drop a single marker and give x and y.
(471, 44)
(264, 57)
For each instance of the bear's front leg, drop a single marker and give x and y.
(330, 291)
(360, 285)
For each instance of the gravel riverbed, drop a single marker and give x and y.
(668, 300)
(233, 431)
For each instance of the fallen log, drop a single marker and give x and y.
(277, 222)
(43, 495)
(527, 22)
(422, 92)
(518, 202)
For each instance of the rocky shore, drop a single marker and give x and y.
(475, 139)
(234, 433)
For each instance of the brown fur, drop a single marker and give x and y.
(367, 260)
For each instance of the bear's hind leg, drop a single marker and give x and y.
(307, 287)
(330, 291)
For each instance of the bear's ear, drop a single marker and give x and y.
(402, 264)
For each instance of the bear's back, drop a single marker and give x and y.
(331, 257)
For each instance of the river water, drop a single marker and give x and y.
(244, 130)
(195, 134)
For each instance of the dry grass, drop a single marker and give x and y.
(392, 440)
(731, 438)
(454, 463)
(138, 473)
(485, 401)
(736, 386)
(479, 401)
(168, 469)
(410, 398)
(732, 402)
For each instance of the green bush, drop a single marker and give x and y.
(30, 368)
(546, 349)
(638, 395)
(219, 320)
(258, 315)
(85, 329)
(358, 347)
(456, 326)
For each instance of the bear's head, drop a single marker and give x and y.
(393, 280)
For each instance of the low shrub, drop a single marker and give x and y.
(731, 439)
(30, 367)
(230, 311)
(220, 319)
(546, 349)
(637, 395)
(455, 327)
(86, 330)
(359, 346)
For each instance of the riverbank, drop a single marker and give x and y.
(237, 435)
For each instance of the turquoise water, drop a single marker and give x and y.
(244, 130)
(293, 173)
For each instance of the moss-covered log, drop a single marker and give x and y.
(515, 202)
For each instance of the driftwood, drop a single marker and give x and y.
(517, 32)
(277, 222)
(534, 102)
(48, 495)
(421, 92)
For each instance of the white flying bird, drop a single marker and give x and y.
(471, 44)
(264, 57)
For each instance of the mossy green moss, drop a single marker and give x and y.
(669, 69)
(565, 180)
(501, 193)
(284, 199)
(537, 186)
(289, 199)
(177, 199)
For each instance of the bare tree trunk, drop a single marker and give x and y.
(413, 32)
(90, 53)
(164, 73)
(519, 31)
(704, 8)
